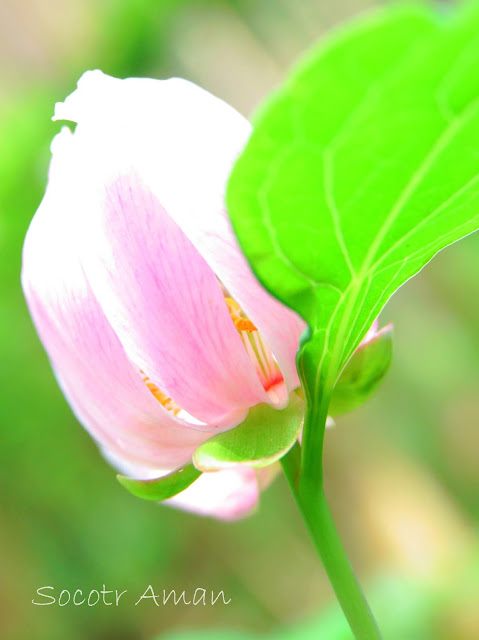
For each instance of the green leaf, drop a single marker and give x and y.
(263, 438)
(360, 168)
(363, 373)
(161, 488)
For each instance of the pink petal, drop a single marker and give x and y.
(183, 142)
(166, 305)
(229, 494)
(103, 386)
(280, 327)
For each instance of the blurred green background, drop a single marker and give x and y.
(402, 472)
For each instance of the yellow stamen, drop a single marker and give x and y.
(162, 398)
(240, 322)
(259, 354)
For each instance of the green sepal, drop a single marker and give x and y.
(263, 438)
(159, 489)
(363, 373)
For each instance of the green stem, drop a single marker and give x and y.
(311, 476)
(319, 521)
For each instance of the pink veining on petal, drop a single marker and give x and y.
(102, 385)
(185, 136)
(166, 305)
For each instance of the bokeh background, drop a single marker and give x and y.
(402, 472)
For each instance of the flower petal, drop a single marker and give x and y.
(104, 388)
(176, 134)
(280, 327)
(229, 494)
(166, 305)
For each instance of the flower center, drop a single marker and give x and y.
(258, 352)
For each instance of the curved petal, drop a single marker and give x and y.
(183, 141)
(280, 327)
(103, 386)
(229, 494)
(166, 304)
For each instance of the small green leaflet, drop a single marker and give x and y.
(161, 488)
(360, 168)
(363, 373)
(263, 438)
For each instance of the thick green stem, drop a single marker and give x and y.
(318, 519)
(311, 475)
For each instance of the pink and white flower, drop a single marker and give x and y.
(158, 332)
